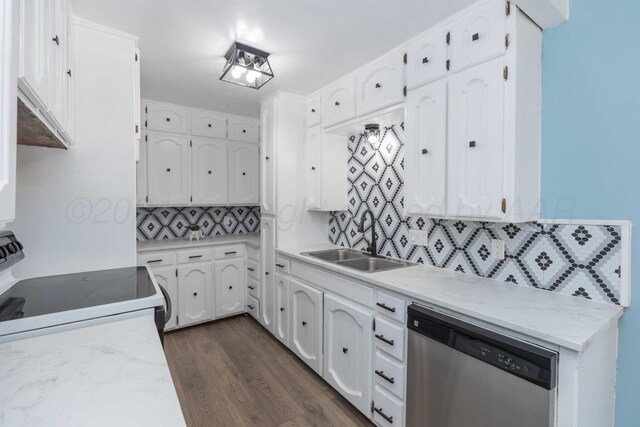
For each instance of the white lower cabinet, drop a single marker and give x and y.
(267, 259)
(282, 308)
(387, 410)
(253, 307)
(229, 287)
(194, 299)
(306, 324)
(347, 350)
(166, 277)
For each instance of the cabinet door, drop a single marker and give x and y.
(36, 42)
(168, 169)
(204, 123)
(209, 176)
(141, 174)
(380, 83)
(426, 149)
(230, 282)
(166, 118)
(339, 101)
(282, 308)
(194, 293)
(347, 350)
(478, 36)
(244, 129)
(314, 104)
(427, 59)
(306, 324)
(314, 168)
(475, 147)
(166, 277)
(244, 188)
(267, 267)
(57, 64)
(268, 158)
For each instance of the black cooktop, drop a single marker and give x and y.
(54, 294)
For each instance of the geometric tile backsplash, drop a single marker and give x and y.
(171, 223)
(578, 260)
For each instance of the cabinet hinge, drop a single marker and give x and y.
(177, 320)
(190, 143)
(505, 73)
(506, 41)
(372, 406)
(176, 272)
(147, 198)
(146, 138)
(136, 57)
(137, 128)
(448, 64)
(508, 8)
(145, 124)
(146, 110)
(448, 38)
(504, 206)
(404, 91)
(191, 199)
(374, 324)
(404, 58)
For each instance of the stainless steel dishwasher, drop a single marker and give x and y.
(460, 375)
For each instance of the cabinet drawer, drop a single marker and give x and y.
(314, 103)
(389, 374)
(379, 84)
(339, 101)
(253, 307)
(208, 124)
(283, 265)
(194, 255)
(156, 259)
(229, 252)
(390, 306)
(427, 59)
(253, 287)
(253, 269)
(253, 253)
(478, 36)
(387, 410)
(166, 118)
(243, 129)
(389, 338)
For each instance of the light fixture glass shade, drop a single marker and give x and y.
(246, 66)
(372, 131)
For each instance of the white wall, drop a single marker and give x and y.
(76, 208)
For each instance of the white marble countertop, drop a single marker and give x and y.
(112, 374)
(563, 320)
(251, 239)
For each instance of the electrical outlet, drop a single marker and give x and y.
(419, 237)
(497, 248)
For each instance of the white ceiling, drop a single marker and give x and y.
(312, 42)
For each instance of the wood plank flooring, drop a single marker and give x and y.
(232, 372)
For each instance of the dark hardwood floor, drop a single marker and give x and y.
(232, 372)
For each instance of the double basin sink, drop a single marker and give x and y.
(358, 260)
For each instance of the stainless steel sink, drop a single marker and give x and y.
(358, 260)
(371, 264)
(336, 255)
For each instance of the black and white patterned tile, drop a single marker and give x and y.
(577, 260)
(172, 223)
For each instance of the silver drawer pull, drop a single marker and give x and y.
(195, 256)
(231, 253)
(153, 261)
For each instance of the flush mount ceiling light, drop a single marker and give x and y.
(373, 134)
(246, 66)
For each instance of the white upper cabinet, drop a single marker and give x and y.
(475, 169)
(379, 84)
(314, 109)
(209, 171)
(244, 129)
(339, 100)
(348, 347)
(426, 150)
(168, 169)
(209, 124)
(268, 158)
(243, 174)
(141, 173)
(427, 59)
(58, 64)
(314, 168)
(166, 118)
(194, 299)
(306, 324)
(36, 41)
(479, 36)
(229, 285)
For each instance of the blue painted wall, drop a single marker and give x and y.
(591, 144)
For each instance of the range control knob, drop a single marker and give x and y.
(3, 252)
(20, 247)
(12, 248)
